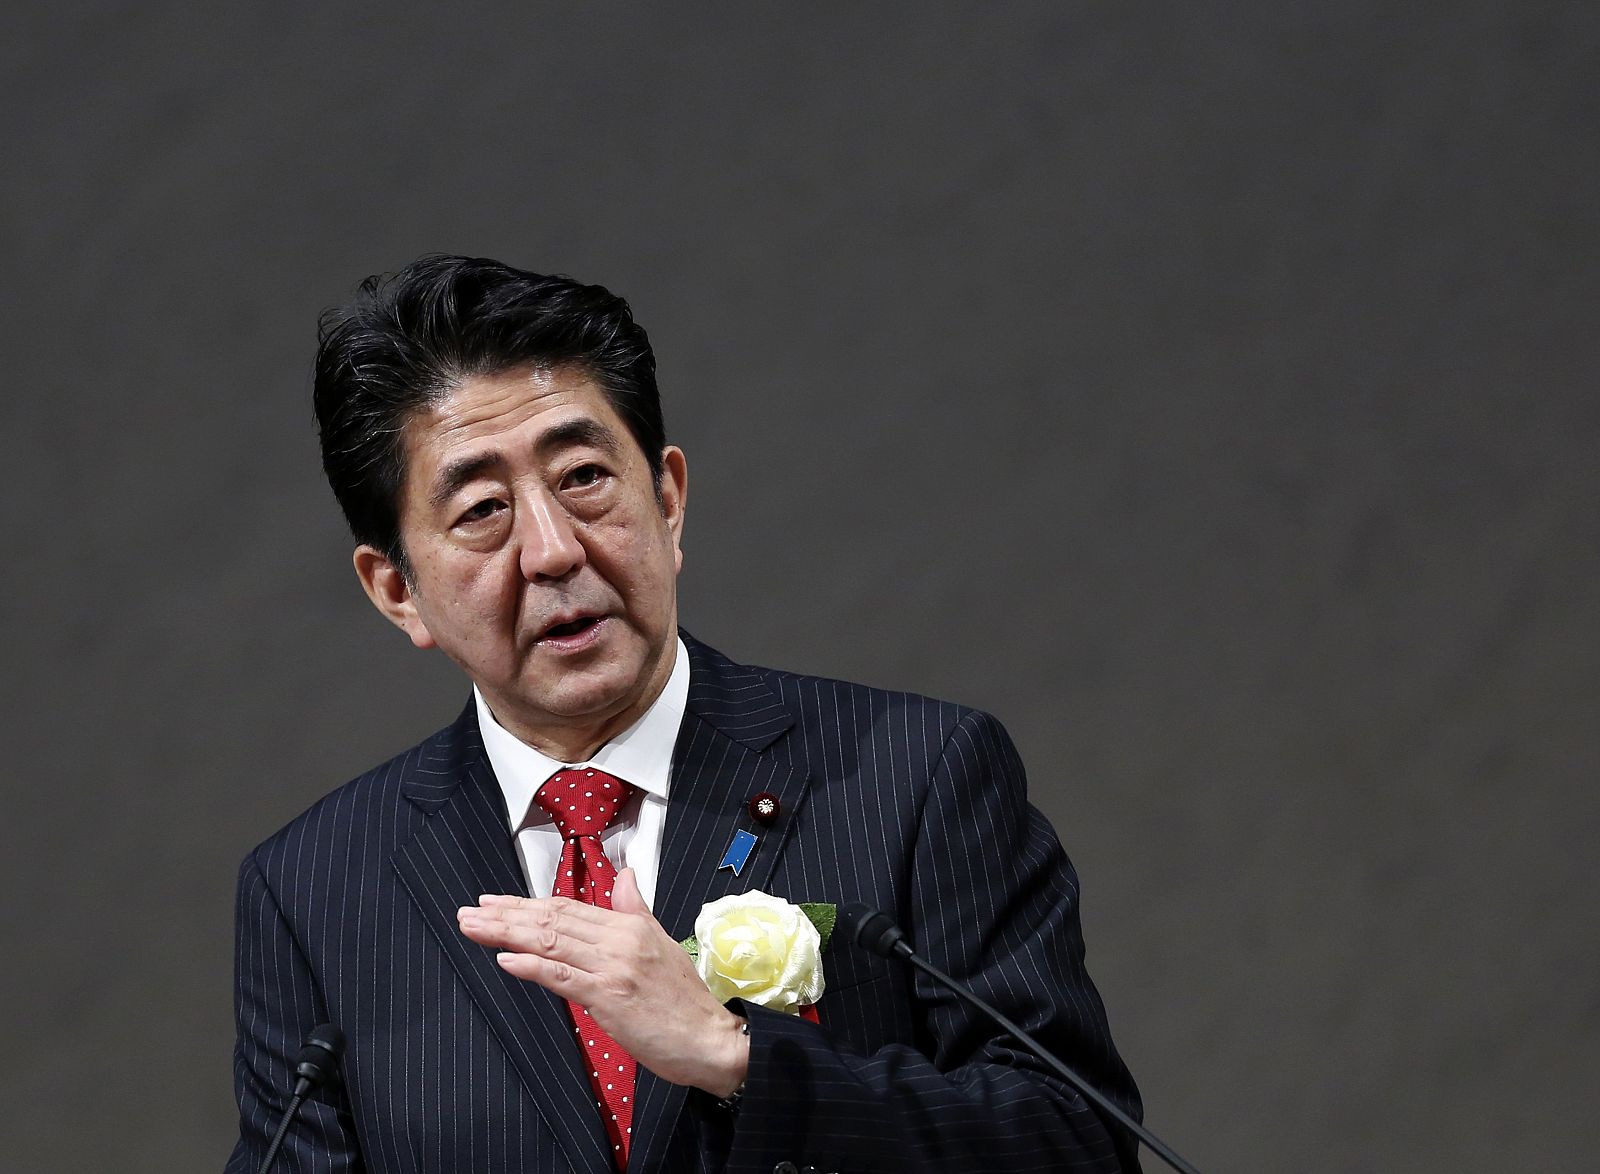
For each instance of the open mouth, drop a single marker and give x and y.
(571, 628)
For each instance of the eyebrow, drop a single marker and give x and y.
(456, 474)
(576, 434)
(568, 434)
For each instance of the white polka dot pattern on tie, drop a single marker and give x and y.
(585, 874)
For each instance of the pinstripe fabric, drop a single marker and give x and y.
(913, 805)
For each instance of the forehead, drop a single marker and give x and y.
(511, 415)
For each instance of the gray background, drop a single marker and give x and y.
(1207, 389)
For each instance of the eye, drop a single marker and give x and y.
(584, 475)
(482, 510)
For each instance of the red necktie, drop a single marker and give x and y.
(583, 803)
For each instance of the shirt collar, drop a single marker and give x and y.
(640, 755)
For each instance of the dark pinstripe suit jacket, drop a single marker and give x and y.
(912, 805)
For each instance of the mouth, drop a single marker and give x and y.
(577, 632)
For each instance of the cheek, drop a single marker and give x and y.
(473, 588)
(641, 561)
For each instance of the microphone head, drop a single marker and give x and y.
(319, 1057)
(327, 1037)
(871, 930)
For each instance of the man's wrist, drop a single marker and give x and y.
(729, 1083)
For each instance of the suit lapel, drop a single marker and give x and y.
(725, 755)
(465, 849)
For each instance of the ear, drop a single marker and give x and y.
(391, 594)
(674, 496)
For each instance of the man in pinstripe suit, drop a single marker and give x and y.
(495, 440)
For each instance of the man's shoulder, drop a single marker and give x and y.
(825, 703)
(377, 803)
(860, 745)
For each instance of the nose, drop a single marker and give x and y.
(548, 543)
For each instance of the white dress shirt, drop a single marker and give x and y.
(641, 755)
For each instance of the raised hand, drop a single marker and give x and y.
(637, 982)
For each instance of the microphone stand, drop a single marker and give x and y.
(1162, 1150)
(874, 931)
(318, 1060)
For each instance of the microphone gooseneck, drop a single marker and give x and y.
(877, 933)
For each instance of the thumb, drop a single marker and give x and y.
(625, 895)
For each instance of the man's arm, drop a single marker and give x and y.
(993, 901)
(275, 1004)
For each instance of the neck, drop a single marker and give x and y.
(567, 746)
(579, 737)
(571, 741)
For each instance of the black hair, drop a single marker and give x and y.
(409, 338)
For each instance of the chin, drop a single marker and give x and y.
(601, 692)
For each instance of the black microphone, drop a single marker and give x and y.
(876, 932)
(317, 1061)
(319, 1058)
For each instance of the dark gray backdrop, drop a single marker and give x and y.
(1207, 389)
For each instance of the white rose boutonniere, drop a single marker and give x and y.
(761, 948)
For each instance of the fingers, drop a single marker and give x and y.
(625, 897)
(560, 977)
(503, 935)
(546, 934)
(590, 940)
(520, 914)
(540, 946)
(570, 968)
(501, 902)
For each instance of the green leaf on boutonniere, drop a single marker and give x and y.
(823, 916)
